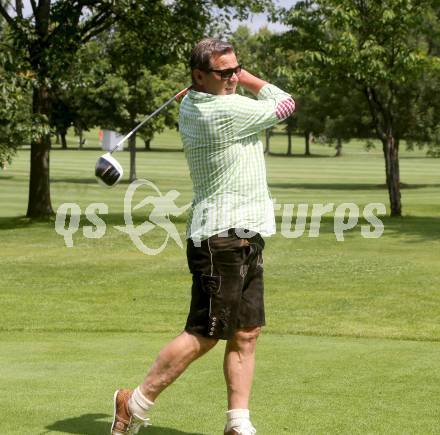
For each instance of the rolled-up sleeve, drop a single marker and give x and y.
(252, 116)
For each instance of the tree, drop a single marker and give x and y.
(346, 115)
(382, 48)
(172, 76)
(310, 117)
(48, 41)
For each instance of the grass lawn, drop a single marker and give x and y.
(351, 344)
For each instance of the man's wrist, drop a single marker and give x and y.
(250, 82)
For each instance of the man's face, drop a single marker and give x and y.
(211, 82)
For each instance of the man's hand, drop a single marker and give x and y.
(250, 82)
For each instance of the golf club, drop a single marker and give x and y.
(108, 170)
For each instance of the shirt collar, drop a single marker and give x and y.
(202, 96)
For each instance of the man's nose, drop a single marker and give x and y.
(234, 78)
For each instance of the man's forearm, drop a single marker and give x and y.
(250, 82)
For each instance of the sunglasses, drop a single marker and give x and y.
(226, 74)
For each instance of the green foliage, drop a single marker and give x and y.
(109, 90)
(259, 53)
(424, 122)
(15, 113)
(346, 114)
(14, 118)
(382, 47)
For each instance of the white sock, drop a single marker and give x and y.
(236, 417)
(139, 405)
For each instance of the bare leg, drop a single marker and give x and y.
(172, 361)
(239, 366)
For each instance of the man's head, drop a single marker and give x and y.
(214, 67)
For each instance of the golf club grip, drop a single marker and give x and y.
(178, 95)
(182, 92)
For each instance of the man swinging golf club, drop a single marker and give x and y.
(231, 211)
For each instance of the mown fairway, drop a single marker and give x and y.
(353, 328)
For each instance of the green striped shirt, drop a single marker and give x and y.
(221, 140)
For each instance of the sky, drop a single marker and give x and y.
(256, 21)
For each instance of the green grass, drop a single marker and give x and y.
(314, 385)
(351, 344)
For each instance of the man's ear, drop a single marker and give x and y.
(197, 76)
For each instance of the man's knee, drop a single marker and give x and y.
(208, 343)
(205, 343)
(247, 336)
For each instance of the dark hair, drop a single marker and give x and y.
(203, 51)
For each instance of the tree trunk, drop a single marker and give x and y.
(39, 203)
(289, 143)
(383, 121)
(57, 138)
(147, 144)
(338, 147)
(391, 154)
(19, 8)
(267, 146)
(63, 140)
(307, 135)
(132, 148)
(80, 138)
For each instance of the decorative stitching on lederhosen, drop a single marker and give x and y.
(244, 267)
(210, 285)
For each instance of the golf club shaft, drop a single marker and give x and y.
(179, 94)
